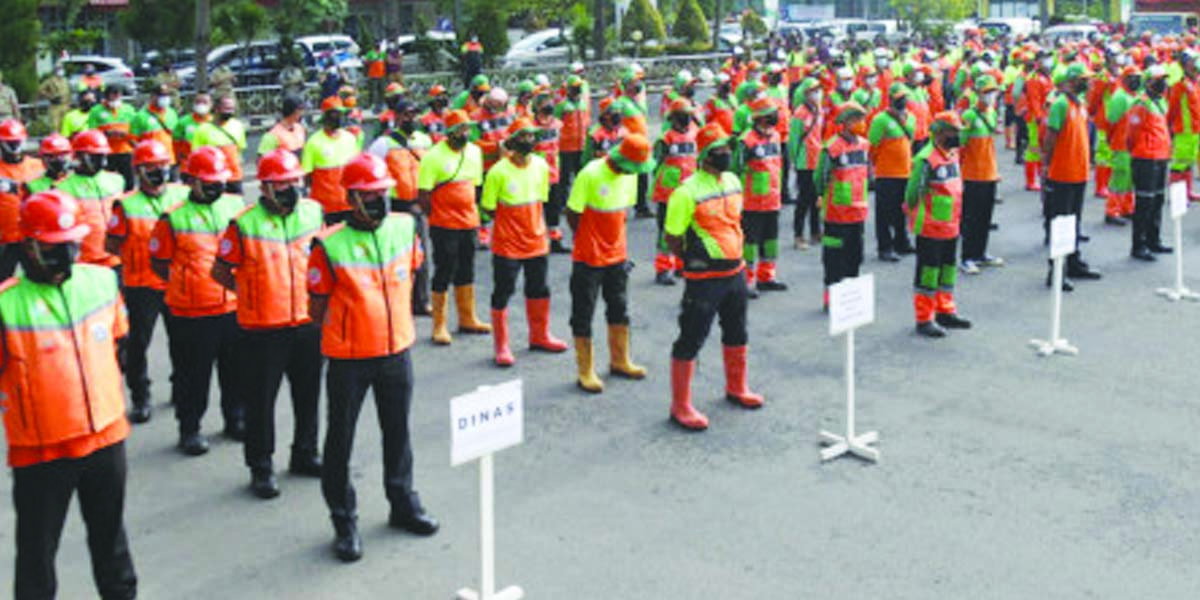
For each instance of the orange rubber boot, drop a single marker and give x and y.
(736, 390)
(1103, 176)
(1031, 177)
(504, 355)
(682, 411)
(537, 311)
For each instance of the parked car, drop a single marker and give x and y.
(112, 71)
(256, 64)
(1011, 26)
(342, 48)
(152, 61)
(1053, 35)
(539, 48)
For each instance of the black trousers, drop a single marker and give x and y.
(390, 378)
(785, 189)
(145, 305)
(41, 496)
(420, 287)
(937, 265)
(1150, 193)
(122, 164)
(1064, 199)
(1022, 140)
(268, 355)
(979, 202)
(10, 257)
(197, 342)
(643, 191)
(890, 231)
(841, 251)
(453, 257)
(703, 299)
(586, 284)
(504, 278)
(806, 204)
(569, 164)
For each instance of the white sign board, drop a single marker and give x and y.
(1062, 236)
(485, 421)
(1177, 195)
(851, 304)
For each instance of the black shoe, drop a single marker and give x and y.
(1082, 271)
(772, 286)
(305, 465)
(1143, 254)
(993, 227)
(930, 329)
(193, 444)
(643, 212)
(417, 523)
(904, 249)
(559, 247)
(952, 321)
(1160, 249)
(263, 484)
(1084, 238)
(1117, 221)
(752, 293)
(889, 256)
(140, 413)
(664, 278)
(347, 545)
(236, 430)
(1067, 286)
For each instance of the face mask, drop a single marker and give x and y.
(225, 116)
(771, 122)
(689, 91)
(522, 146)
(721, 161)
(115, 103)
(1081, 88)
(898, 104)
(457, 139)
(52, 263)
(680, 121)
(287, 197)
(637, 89)
(86, 105)
(210, 192)
(952, 142)
(1134, 83)
(90, 164)
(724, 89)
(1156, 86)
(815, 98)
(871, 81)
(201, 109)
(775, 79)
(55, 167)
(883, 63)
(375, 208)
(155, 177)
(408, 127)
(1047, 63)
(11, 152)
(845, 85)
(919, 77)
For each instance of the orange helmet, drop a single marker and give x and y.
(54, 144)
(150, 152)
(279, 165)
(11, 130)
(52, 217)
(90, 142)
(436, 90)
(367, 173)
(208, 165)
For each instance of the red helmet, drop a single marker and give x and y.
(91, 141)
(11, 130)
(53, 145)
(367, 173)
(150, 152)
(52, 217)
(208, 165)
(279, 165)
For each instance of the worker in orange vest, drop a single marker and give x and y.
(514, 191)
(596, 211)
(325, 154)
(433, 121)
(95, 189)
(263, 258)
(934, 199)
(709, 204)
(359, 277)
(64, 416)
(183, 247)
(289, 132)
(16, 172)
(842, 175)
(721, 105)
(1150, 149)
(574, 112)
(804, 146)
(675, 155)
(114, 119)
(491, 122)
(55, 154)
(758, 160)
(128, 236)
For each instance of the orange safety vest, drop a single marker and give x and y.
(369, 313)
(1153, 139)
(59, 379)
(845, 198)
(575, 121)
(272, 268)
(713, 242)
(939, 210)
(435, 125)
(678, 162)
(13, 191)
(720, 110)
(547, 145)
(95, 194)
(604, 139)
(403, 165)
(194, 231)
(493, 129)
(763, 170)
(134, 217)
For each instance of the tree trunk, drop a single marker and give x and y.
(203, 42)
(717, 16)
(598, 26)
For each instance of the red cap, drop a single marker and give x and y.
(52, 217)
(90, 142)
(150, 152)
(436, 90)
(332, 103)
(11, 130)
(679, 105)
(54, 144)
(208, 165)
(279, 165)
(367, 173)
(711, 136)
(457, 118)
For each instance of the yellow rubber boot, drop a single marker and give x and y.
(464, 300)
(618, 354)
(441, 334)
(588, 380)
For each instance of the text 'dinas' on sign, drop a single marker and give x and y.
(851, 304)
(485, 421)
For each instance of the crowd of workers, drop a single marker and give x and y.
(134, 214)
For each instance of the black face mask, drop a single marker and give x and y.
(375, 208)
(952, 142)
(775, 79)
(87, 105)
(721, 161)
(688, 92)
(771, 122)
(48, 263)
(225, 116)
(1081, 88)
(209, 193)
(55, 167)
(1157, 86)
(287, 198)
(521, 146)
(155, 177)
(637, 89)
(724, 89)
(332, 120)
(1133, 83)
(438, 104)
(898, 104)
(408, 127)
(90, 164)
(11, 152)
(573, 94)
(546, 110)
(680, 121)
(457, 140)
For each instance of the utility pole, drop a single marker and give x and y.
(598, 26)
(458, 20)
(717, 17)
(203, 41)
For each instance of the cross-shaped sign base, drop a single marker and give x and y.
(859, 446)
(511, 592)
(1177, 294)
(1058, 346)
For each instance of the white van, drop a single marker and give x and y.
(1011, 26)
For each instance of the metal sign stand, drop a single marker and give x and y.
(859, 445)
(1062, 243)
(1179, 207)
(487, 539)
(851, 305)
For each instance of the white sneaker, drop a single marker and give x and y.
(991, 261)
(969, 267)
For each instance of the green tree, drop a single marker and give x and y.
(643, 17)
(20, 30)
(919, 13)
(752, 25)
(160, 25)
(691, 25)
(240, 22)
(487, 19)
(581, 28)
(298, 17)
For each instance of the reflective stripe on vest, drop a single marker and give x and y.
(940, 210)
(141, 214)
(764, 165)
(846, 196)
(271, 277)
(60, 378)
(197, 228)
(678, 163)
(369, 312)
(713, 243)
(96, 194)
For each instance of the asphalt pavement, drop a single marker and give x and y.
(1003, 475)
